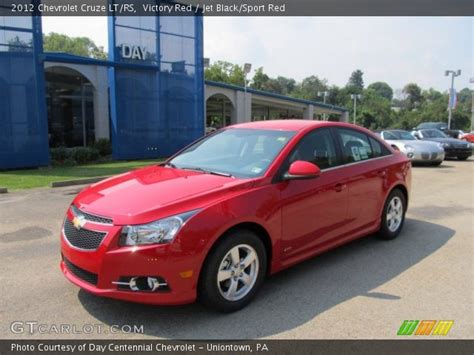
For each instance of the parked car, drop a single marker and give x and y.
(453, 133)
(432, 125)
(468, 137)
(452, 147)
(240, 203)
(417, 151)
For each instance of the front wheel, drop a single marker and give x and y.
(463, 157)
(393, 215)
(233, 272)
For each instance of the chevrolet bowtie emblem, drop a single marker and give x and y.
(78, 222)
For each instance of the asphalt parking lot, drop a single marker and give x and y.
(362, 290)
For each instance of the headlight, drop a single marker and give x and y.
(409, 147)
(161, 231)
(445, 145)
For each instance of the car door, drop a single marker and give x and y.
(365, 174)
(313, 210)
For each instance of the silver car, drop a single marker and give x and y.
(417, 151)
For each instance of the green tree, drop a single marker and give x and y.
(308, 89)
(413, 96)
(374, 111)
(382, 89)
(82, 46)
(225, 72)
(356, 81)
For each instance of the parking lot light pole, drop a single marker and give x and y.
(324, 94)
(247, 69)
(451, 93)
(355, 97)
(472, 105)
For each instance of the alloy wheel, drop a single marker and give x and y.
(238, 272)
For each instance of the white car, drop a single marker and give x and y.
(417, 151)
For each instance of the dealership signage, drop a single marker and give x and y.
(132, 52)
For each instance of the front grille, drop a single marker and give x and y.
(434, 156)
(81, 273)
(82, 238)
(425, 155)
(90, 217)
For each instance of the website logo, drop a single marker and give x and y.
(425, 327)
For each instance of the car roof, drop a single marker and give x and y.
(290, 125)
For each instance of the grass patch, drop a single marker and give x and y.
(42, 177)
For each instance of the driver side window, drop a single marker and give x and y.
(316, 147)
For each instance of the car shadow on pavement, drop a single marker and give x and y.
(290, 298)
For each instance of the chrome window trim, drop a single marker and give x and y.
(357, 162)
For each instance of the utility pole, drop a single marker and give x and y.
(355, 97)
(247, 69)
(451, 93)
(472, 105)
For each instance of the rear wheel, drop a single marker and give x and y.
(393, 215)
(463, 157)
(233, 272)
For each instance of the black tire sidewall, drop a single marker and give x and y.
(384, 232)
(208, 292)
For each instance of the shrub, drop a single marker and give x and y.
(58, 154)
(104, 147)
(84, 154)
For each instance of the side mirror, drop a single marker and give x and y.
(300, 170)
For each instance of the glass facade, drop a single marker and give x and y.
(23, 123)
(156, 91)
(157, 85)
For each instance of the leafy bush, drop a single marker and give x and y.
(104, 147)
(73, 156)
(84, 154)
(58, 154)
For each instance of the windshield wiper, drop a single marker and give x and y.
(196, 168)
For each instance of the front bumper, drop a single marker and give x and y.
(97, 271)
(427, 157)
(458, 152)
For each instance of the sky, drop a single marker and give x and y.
(397, 50)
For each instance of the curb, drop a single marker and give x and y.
(78, 181)
(3, 190)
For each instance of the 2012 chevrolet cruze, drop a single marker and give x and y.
(239, 204)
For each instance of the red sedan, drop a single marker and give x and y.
(237, 205)
(469, 137)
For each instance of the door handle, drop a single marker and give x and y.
(339, 187)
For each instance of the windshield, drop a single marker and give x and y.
(398, 135)
(235, 151)
(433, 133)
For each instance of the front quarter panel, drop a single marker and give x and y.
(259, 205)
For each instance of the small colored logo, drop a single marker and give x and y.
(425, 327)
(79, 222)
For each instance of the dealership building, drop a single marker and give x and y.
(149, 98)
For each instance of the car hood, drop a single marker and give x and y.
(416, 143)
(154, 192)
(446, 140)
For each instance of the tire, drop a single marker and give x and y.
(389, 230)
(436, 163)
(233, 292)
(463, 157)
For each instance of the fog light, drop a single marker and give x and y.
(410, 155)
(142, 283)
